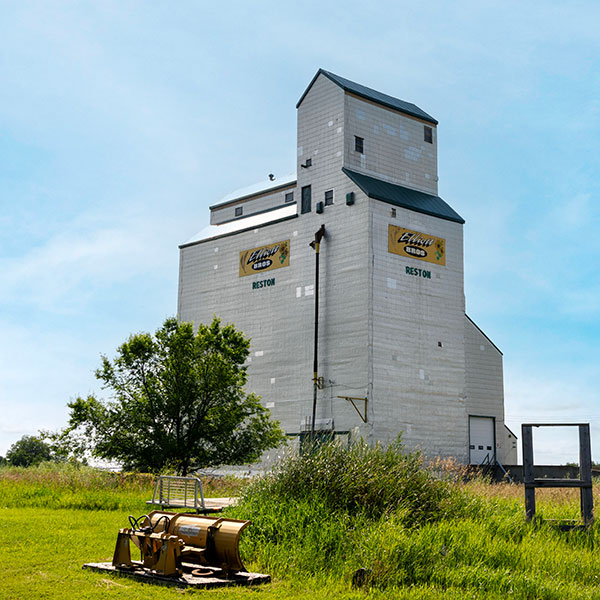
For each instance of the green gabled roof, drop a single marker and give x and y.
(399, 195)
(370, 94)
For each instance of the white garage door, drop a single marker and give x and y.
(481, 439)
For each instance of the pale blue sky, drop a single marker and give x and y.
(121, 122)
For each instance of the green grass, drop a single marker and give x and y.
(337, 511)
(315, 521)
(52, 485)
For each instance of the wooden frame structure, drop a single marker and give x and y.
(584, 483)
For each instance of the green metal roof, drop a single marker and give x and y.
(370, 94)
(404, 197)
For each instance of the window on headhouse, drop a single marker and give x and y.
(428, 134)
(359, 144)
(306, 199)
(328, 197)
(289, 197)
(238, 211)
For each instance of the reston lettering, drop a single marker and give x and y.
(418, 272)
(256, 285)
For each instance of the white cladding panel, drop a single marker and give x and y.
(484, 383)
(279, 318)
(394, 148)
(321, 138)
(250, 206)
(510, 447)
(399, 339)
(418, 339)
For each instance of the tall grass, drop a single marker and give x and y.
(318, 512)
(52, 485)
(360, 480)
(317, 520)
(331, 513)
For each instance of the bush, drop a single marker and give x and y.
(373, 515)
(359, 479)
(323, 512)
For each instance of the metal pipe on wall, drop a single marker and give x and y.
(316, 244)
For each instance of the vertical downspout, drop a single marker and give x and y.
(316, 244)
(370, 324)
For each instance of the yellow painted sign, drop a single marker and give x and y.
(265, 258)
(407, 242)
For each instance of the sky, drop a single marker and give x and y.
(121, 122)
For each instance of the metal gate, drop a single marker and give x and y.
(481, 440)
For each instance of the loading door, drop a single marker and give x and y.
(481, 440)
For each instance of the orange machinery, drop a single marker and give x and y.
(166, 540)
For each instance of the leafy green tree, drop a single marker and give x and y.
(29, 450)
(178, 402)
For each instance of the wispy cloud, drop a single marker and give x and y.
(69, 267)
(121, 122)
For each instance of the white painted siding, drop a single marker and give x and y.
(321, 138)
(394, 148)
(484, 382)
(280, 318)
(401, 341)
(251, 205)
(418, 385)
(510, 448)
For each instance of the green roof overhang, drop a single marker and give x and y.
(404, 197)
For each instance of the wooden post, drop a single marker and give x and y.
(584, 483)
(585, 474)
(528, 471)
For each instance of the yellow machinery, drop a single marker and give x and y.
(166, 540)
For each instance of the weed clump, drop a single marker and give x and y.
(361, 479)
(328, 511)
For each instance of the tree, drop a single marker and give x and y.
(178, 401)
(29, 450)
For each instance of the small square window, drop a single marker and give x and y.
(428, 134)
(238, 211)
(359, 144)
(289, 197)
(328, 197)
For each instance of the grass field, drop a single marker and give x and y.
(315, 522)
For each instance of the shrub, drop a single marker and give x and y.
(316, 514)
(359, 479)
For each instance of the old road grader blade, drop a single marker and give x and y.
(189, 549)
